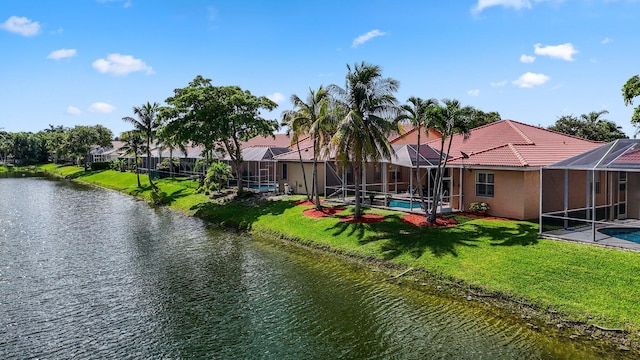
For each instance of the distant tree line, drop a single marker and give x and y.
(589, 126)
(54, 144)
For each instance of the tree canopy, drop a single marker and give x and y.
(369, 109)
(631, 90)
(218, 117)
(589, 126)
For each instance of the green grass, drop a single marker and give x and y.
(583, 282)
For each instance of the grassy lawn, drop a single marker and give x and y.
(586, 283)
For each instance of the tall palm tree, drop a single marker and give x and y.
(296, 128)
(313, 117)
(450, 119)
(147, 124)
(416, 112)
(368, 107)
(133, 145)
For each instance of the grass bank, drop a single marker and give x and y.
(577, 282)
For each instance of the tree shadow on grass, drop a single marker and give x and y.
(523, 234)
(399, 238)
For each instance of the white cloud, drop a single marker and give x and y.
(61, 54)
(276, 97)
(101, 107)
(499, 83)
(529, 80)
(366, 37)
(516, 4)
(73, 110)
(22, 26)
(125, 3)
(117, 64)
(605, 41)
(527, 59)
(562, 51)
(474, 92)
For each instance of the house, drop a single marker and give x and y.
(593, 190)
(499, 164)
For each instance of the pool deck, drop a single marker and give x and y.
(583, 235)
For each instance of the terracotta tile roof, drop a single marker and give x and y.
(630, 157)
(513, 144)
(278, 140)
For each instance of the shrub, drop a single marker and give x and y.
(479, 207)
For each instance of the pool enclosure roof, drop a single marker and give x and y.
(621, 154)
(405, 155)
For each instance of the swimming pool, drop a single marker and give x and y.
(629, 234)
(404, 204)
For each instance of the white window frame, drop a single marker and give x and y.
(487, 184)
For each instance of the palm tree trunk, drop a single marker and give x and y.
(434, 204)
(357, 175)
(137, 170)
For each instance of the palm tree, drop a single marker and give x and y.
(133, 145)
(450, 120)
(169, 140)
(147, 124)
(416, 112)
(314, 118)
(367, 103)
(296, 127)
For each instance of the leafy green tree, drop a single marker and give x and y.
(6, 145)
(218, 117)
(589, 126)
(481, 118)
(450, 119)
(55, 141)
(147, 123)
(368, 110)
(133, 145)
(316, 119)
(631, 90)
(80, 139)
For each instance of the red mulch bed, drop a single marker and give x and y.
(363, 219)
(325, 212)
(421, 220)
(305, 202)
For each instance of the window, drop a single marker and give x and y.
(484, 184)
(285, 174)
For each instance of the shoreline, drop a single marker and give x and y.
(625, 343)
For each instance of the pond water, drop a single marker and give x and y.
(94, 274)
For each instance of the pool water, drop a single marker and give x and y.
(404, 204)
(629, 234)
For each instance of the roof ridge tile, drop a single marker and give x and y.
(518, 155)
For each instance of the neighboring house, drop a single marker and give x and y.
(596, 189)
(109, 153)
(500, 163)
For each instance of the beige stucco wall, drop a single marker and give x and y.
(412, 138)
(295, 178)
(554, 187)
(515, 193)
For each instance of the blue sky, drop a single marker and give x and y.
(87, 62)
